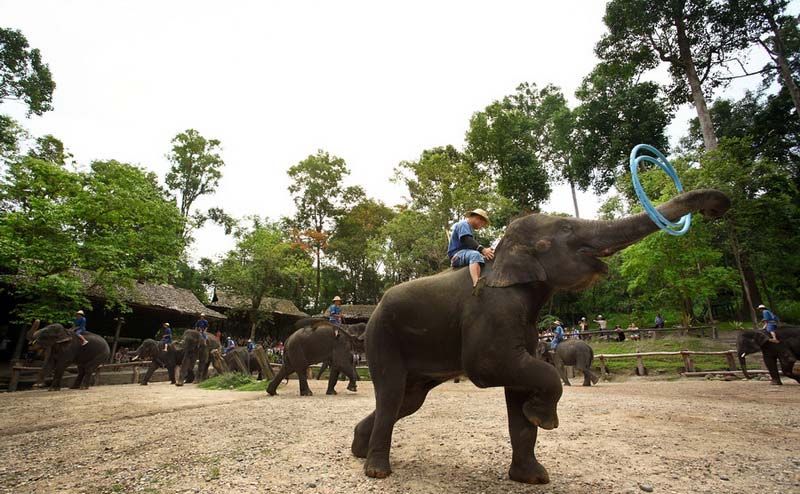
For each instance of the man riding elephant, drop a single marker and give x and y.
(429, 330)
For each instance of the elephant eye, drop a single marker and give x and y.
(566, 228)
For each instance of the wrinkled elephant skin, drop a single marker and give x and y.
(429, 330)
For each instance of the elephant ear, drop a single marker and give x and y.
(515, 263)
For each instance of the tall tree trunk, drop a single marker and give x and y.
(745, 287)
(574, 198)
(779, 53)
(319, 267)
(686, 60)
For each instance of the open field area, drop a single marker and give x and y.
(679, 436)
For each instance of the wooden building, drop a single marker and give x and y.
(282, 316)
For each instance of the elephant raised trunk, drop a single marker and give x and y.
(613, 236)
(34, 328)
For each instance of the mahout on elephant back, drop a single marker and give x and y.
(429, 330)
(570, 352)
(66, 349)
(315, 343)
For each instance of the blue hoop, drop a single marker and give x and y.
(679, 227)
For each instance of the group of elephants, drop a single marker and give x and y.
(429, 330)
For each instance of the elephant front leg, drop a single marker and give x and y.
(771, 362)
(787, 365)
(58, 373)
(272, 388)
(149, 374)
(524, 466)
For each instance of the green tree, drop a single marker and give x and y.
(444, 184)
(616, 113)
(766, 23)
(196, 170)
(319, 197)
(51, 149)
(354, 234)
(23, 74)
(506, 139)
(264, 264)
(415, 246)
(690, 36)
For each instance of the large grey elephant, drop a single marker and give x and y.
(787, 351)
(195, 349)
(314, 344)
(570, 352)
(65, 350)
(170, 358)
(429, 330)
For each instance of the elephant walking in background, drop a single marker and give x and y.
(314, 344)
(570, 352)
(195, 350)
(429, 330)
(787, 351)
(153, 350)
(66, 349)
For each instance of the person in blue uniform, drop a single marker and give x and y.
(464, 250)
(335, 314)
(250, 345)
(166, 335)
(558, 335)
(202, 326)
(769, 322)
(79, 326)
(229, 345)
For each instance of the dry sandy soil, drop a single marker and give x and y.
(683, 436)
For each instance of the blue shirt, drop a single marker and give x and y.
(201, 324)
(81, 323)
(460, 230)
(335, 309)
(166, 332)
(771, 320)
(558, 337)
(251, 346)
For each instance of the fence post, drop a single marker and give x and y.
(603, 368)
(688, 364)
(731, 361)
(12, 385)
(240, 363)
(714, 332)
(640, 366)
(135, 374)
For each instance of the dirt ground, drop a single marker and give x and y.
(684, 436)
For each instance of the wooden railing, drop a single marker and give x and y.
(686, 355)
(712, 331)
(17, 369)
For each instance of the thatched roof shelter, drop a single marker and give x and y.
(224, 301)
(353, 313)
(152, 296)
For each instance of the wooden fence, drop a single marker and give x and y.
(702, 331)
(686, 355)
(17, 369)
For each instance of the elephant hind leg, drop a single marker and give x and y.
(280, 376)
(787, 365)
(361, 435)
(302, 374)
(389, 393)
(78, 383)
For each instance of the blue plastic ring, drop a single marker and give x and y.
(679, 227)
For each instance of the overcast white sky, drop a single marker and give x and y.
(372, 82)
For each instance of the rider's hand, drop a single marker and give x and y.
(488, 253)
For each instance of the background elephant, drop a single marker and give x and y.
(570, 352)
(787, 351)
(429, 330)
(194, 350)
(154, 351)
(311, 345)
(65, 350)
(244, 358)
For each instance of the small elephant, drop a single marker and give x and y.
(570, 352)
(153, 350)
(313, 344)
(66, 349)
(787, 351)
(429, 330)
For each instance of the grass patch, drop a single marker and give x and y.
(672, 363)
(235, 381)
